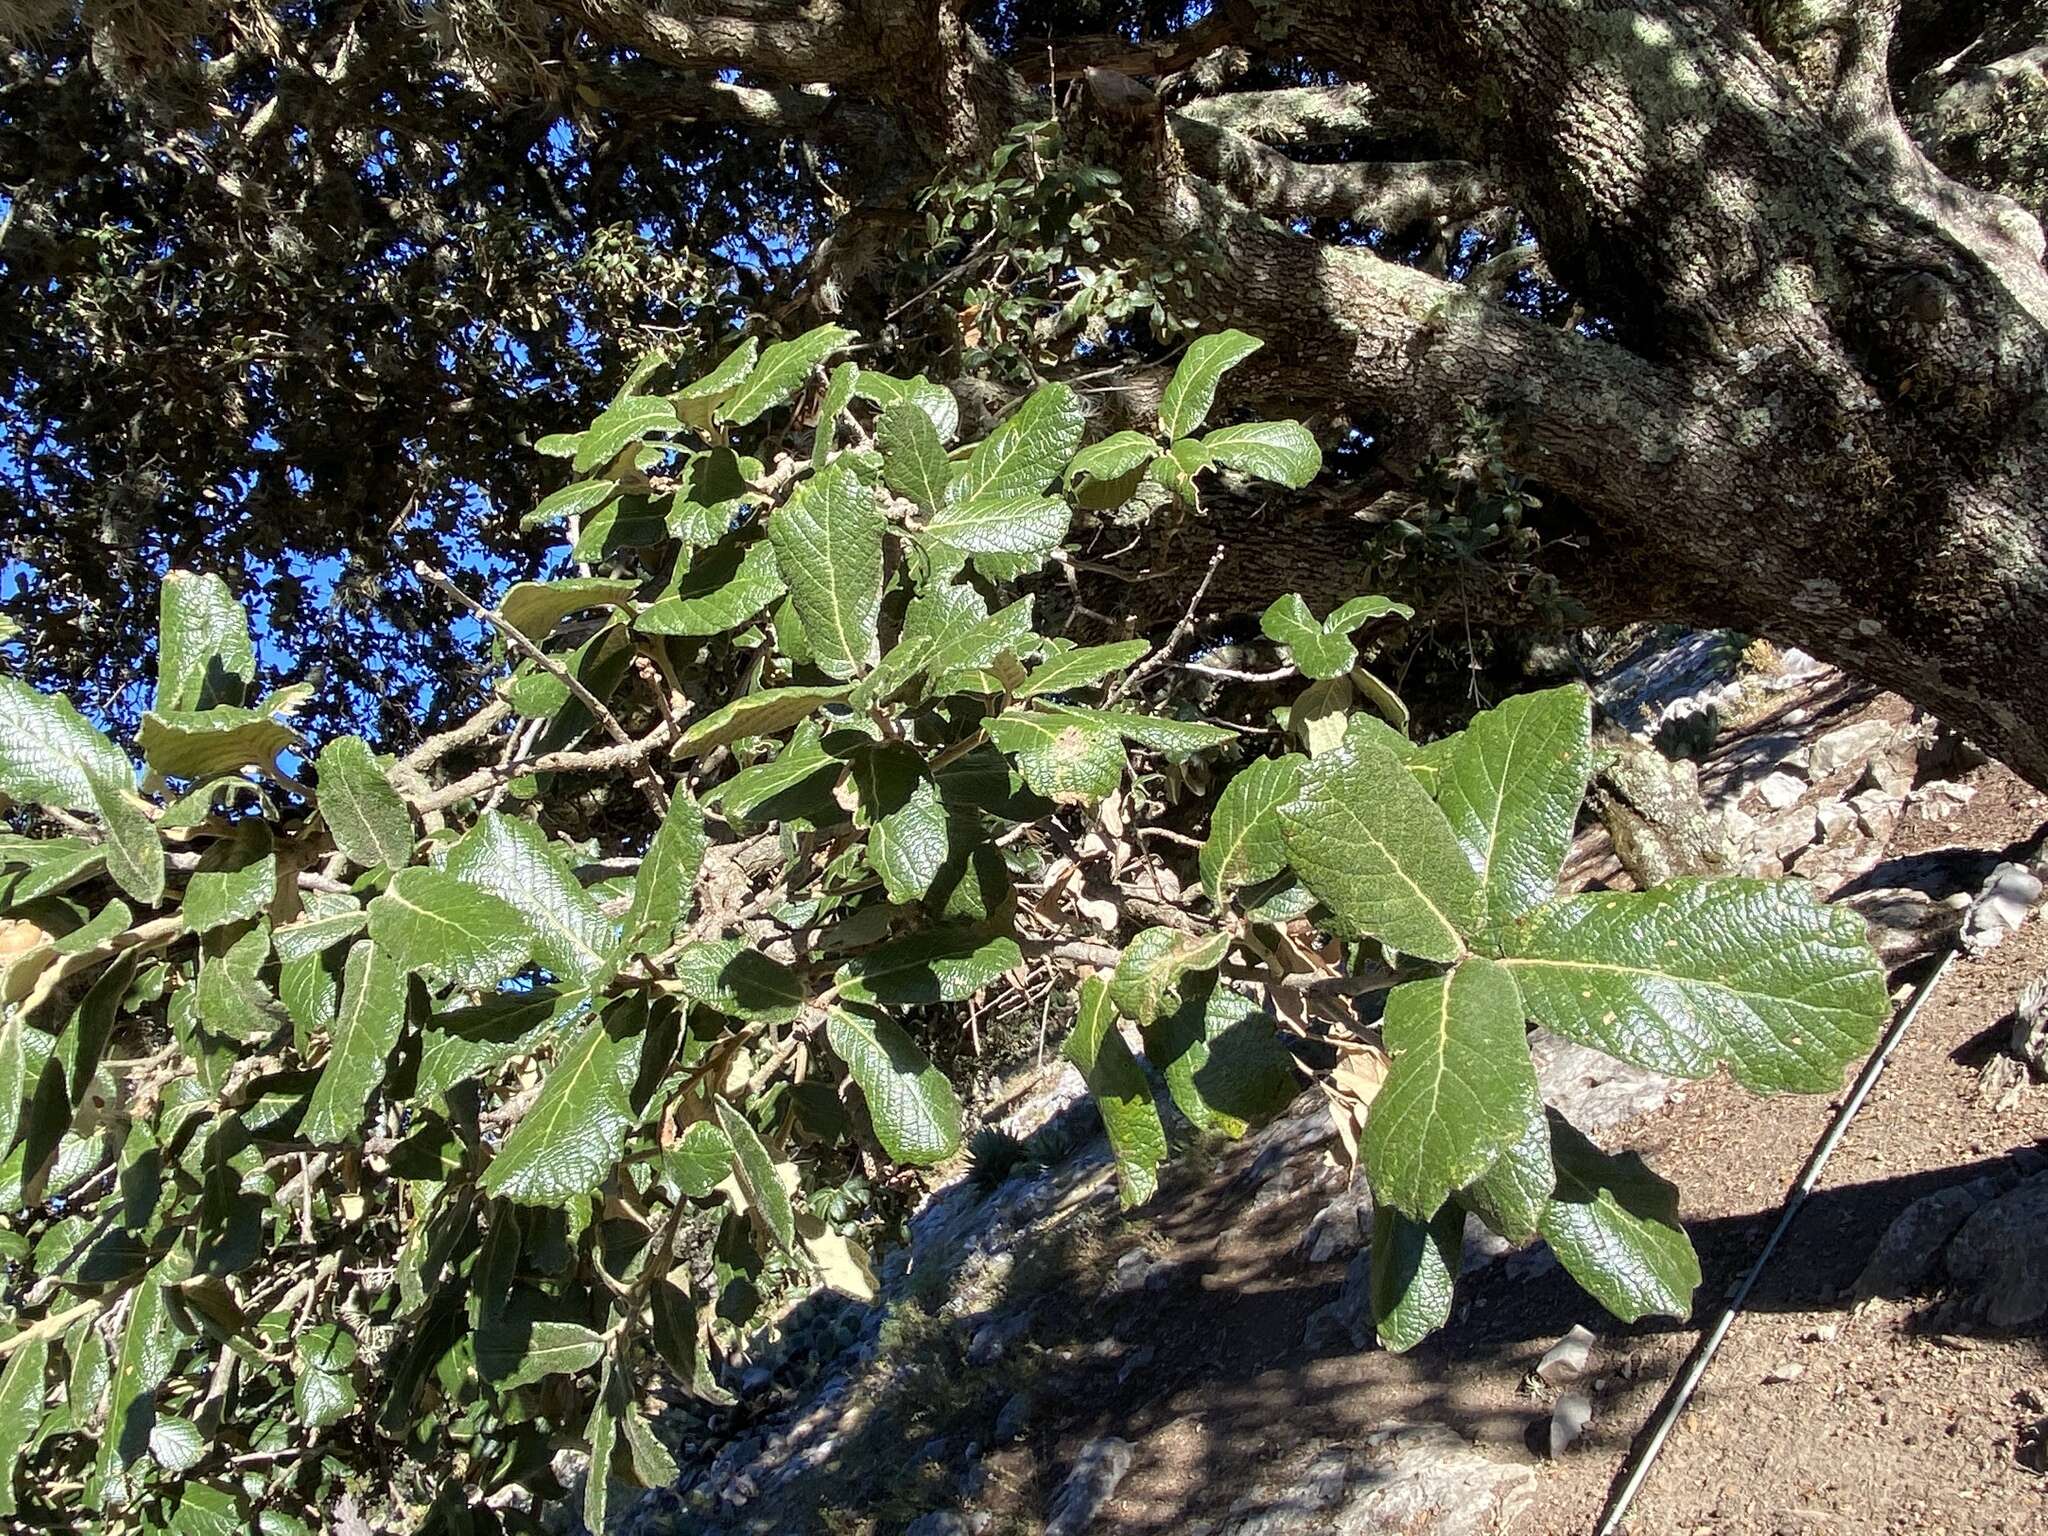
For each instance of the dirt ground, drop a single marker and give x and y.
(1816, 1416)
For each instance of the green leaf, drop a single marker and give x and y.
(1114, 457)
(914, 463)
(1245, 842)
(449, 930)
(323, 1390)
(1321, 648)
(622, 425)
(1460, 1089)
(601, 1434)
(1148, 973)
(1695, 972)
(316, 935)
(366, 1031)
(150, 1340)
(1222, 1059)
(1368, 840)
(517, 1348)
(46, 867)
(177, 1445)
(729, 976)
(935, 400)
(1027, 526)
(700, 1160)
(203, 654)
(513, 860)
(959, 653)
(371, 825)
(756, 714)
(908, 833)
(838, 395)
(1023, 455)
(1137, 1138)
(1061, 758)
(720, 590)
(1512, 790)
(1177, 468)
(569, 1141)
(1414, 1271)
(1614, 1226)
(754, 1170)
(1162, 733)
(935, 965)
(1320, 715)
(1283, 452)
(572, 500)
(1510, 1197)
(1192, 390)
(134, 852)
(803, 772)
(695, 400)
(915, 1113)
(664, 891)
(21, 1410)
(464, 1042)
(15, 1073)
(782, 371)
(1079, 668)
(236, 878)
(534, 608)
(50, 756)
(828, 547)
(204, 744)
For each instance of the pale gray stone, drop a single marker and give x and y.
(1418, 1479)
(1096, 1472)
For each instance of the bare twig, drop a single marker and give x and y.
(1277, 675)
(650, 781)
(1181, 631)
(594, 760)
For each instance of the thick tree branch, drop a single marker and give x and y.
(1068, 57)
(1388, 194)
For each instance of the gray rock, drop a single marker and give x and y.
(1097, 1470)
(1850, 746)
(1906, 1256)
(992, 1339)
(2001, 1081)
(2029, 1038)
(1999, 1257)
(1014, 1417)
(1594, 1091)
(1569, 1416)
(947, 1522)
(2009, 894)
(1133, 1272)
(1781, 790)
(1342, 1227)
(1348, 1319)
(1566, 1360)
(1418, 1479)
(1655, 816)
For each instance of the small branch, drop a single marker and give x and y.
(595, 760)
(1181, 631)
(1277, 675)
(650, 781)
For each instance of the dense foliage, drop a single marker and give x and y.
(377, 1127)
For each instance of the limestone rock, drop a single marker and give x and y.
(1910, 1250)
(1418, 1479)
(1999, 1257)
(1850, 746)
(2029, 1038)
(1097, 1470)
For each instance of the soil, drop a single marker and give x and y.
(1817, 1416)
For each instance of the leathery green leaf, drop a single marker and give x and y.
(370, 824)
(513, 860)
(1152, 965)
(1137, 1137)
(1184, 405)
(664, 889)
(1511, 791)
(754, 1171)
(1614, 1226)
(1245, 844)
(203, 655)
(914, 462)
(1414, 1272)
(828, 547)
(1460, 1090)
(915, 1112)
(936, 965)
(21, 1410)
(1021, 457)
(569, 1141)
(236, 878)
(1368, 840)
(908, 833)
(1753, 973)
(366, 1031)
(454, 932)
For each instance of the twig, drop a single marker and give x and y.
(650, 781)
(1181, 631)
(592, 760)
(1277, 675)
